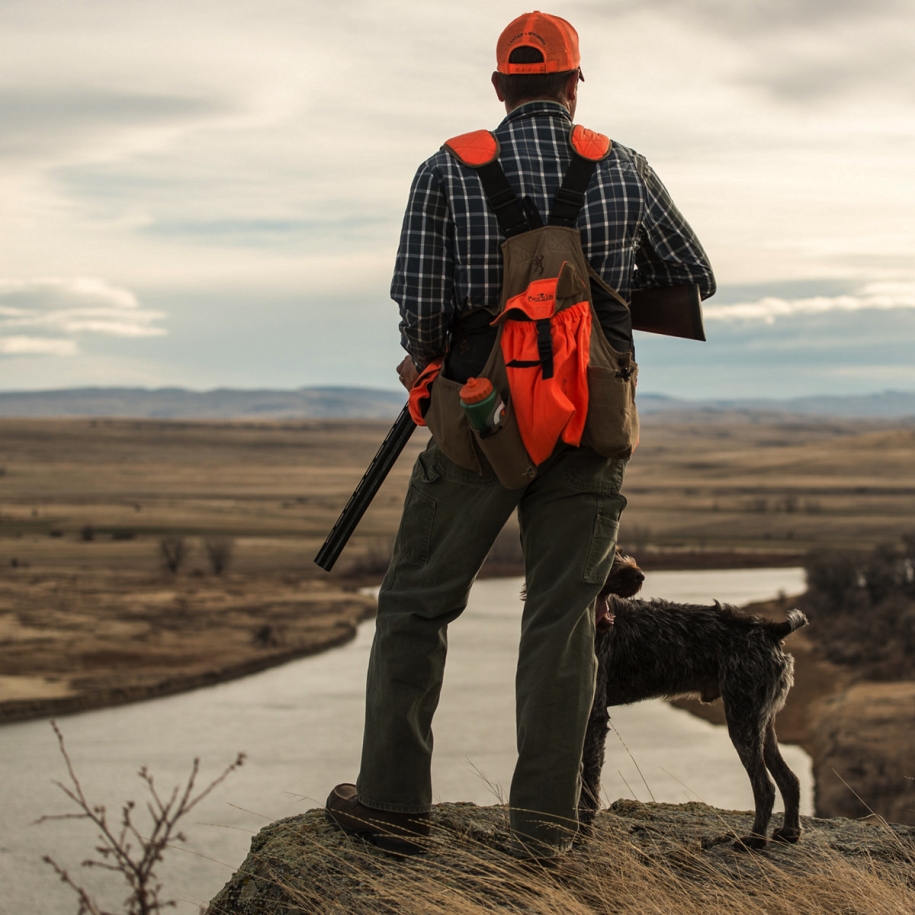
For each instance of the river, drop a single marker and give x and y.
(300, 725)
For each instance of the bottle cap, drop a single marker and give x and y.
(476, 390)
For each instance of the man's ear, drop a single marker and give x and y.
(497, 85)
(572, 86)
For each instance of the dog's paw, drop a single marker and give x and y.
(751, 843)
(789, 834)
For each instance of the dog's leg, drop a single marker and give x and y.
(747, 737)
(592, 765)
(592, 757)
(788, 784)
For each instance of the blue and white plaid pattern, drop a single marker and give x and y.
(449, 261)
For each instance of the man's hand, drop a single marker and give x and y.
(407, 372)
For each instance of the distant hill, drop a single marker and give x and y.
(223, 403)
(372, 403)
(885, 405)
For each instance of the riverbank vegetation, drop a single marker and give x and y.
(866, 605)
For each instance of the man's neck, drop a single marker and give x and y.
(555, 101)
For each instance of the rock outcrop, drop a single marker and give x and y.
(643, 857)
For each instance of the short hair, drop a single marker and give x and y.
(523, 87)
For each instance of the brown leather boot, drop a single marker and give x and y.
(387, 829)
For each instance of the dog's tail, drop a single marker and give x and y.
(795, 620)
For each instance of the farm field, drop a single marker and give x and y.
(90, 615)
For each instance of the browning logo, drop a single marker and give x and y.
(537, 264)
(541, 297)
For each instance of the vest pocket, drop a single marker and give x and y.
(500, 451)
(449, 425)
(612, 426)
(505, 452)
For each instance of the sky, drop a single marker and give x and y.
(209, 194)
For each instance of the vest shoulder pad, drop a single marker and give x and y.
(475, 149)
(588, 144)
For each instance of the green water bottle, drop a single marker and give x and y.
(482, 404)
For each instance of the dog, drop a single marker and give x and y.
(660, 650)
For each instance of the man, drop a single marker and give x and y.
(447, 282)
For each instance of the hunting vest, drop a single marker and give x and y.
(558, 377)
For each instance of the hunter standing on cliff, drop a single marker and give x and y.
(593, 245)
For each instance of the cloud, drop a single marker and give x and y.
(37, 346)
(771, 16)
(799, 52)
(878, 297)
(52, 311)
(65, 123)
(241, 166)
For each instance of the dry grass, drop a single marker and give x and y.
(660, 872)
(627, 885)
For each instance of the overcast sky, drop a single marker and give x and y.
(207, 194)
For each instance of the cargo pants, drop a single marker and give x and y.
(569, 518)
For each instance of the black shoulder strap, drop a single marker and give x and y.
(503, 200)
(570, 197)
(516, 216)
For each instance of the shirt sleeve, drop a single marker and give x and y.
(669, 254)
(423, 284)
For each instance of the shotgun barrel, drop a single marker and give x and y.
(362, 496)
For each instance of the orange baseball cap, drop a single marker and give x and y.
(552, 36)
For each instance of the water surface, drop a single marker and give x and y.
(301, 724)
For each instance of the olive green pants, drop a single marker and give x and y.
(569, 517)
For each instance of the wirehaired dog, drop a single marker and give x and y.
(660, 650)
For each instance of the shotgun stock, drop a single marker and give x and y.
(362, 496)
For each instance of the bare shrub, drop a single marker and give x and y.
(268, 636)
(833, 578)
(126, 847)
(123, 533)
(219, 552)
(868, 600)
(173, 552)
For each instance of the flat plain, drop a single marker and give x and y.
(90, 615)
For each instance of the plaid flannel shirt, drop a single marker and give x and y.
(449, 261)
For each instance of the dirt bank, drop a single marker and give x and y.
(78, 642)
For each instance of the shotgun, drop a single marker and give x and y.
(362, 496)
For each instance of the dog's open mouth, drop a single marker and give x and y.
(603, 615)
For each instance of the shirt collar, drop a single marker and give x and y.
(538, 107)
